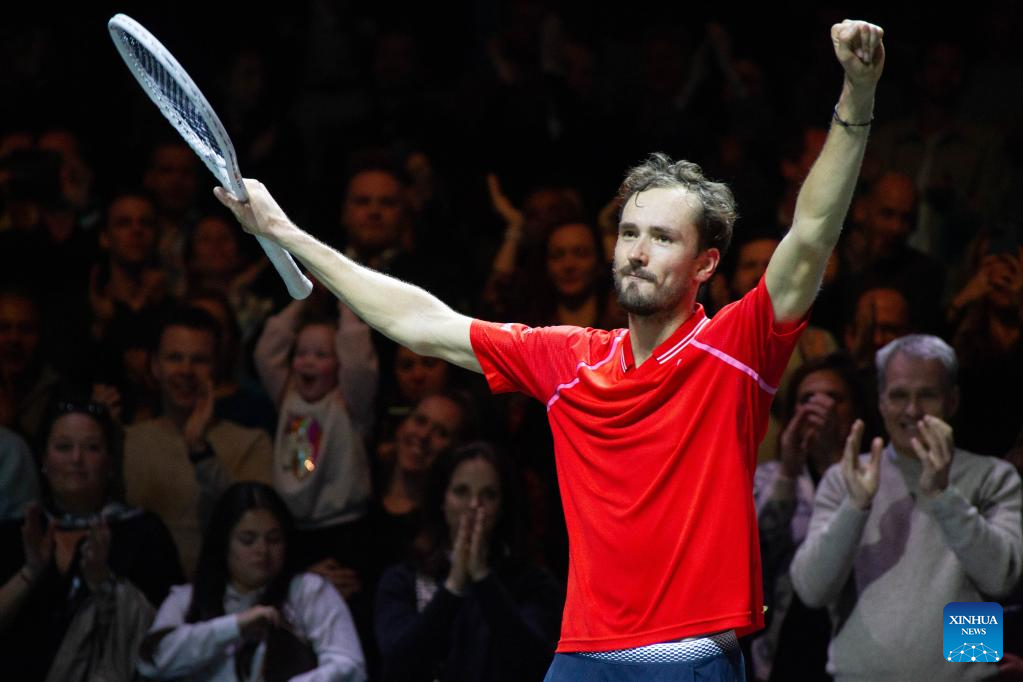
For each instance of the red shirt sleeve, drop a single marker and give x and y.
(755, 337)
(532, 360)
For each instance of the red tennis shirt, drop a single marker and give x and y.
(655, 465)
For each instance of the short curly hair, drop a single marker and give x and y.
(718, 214)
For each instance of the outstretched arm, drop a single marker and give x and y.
(795, 271)
(402, 312)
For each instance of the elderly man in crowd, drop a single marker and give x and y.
(899, 533)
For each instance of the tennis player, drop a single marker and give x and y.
(655, 426)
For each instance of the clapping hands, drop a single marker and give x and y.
(469, 560)
(934, 447)
(861, 478)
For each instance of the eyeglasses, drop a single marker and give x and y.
(88, 407)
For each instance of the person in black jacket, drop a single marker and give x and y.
(80, 548)
(468, 607)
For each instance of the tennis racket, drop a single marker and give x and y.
(183, 104)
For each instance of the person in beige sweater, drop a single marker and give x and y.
(899, 533)
(177, 464)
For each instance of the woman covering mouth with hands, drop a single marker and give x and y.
(468, 607)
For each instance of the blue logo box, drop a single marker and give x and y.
(972, 632)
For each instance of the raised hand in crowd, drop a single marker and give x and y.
(199, 421)
(37, 538)
(506, 259)
(934, 447)
(1006, 275)
(502, 205)
(861, 478)
(812, 431)
(514, 220)
(95, 553)
(999, 273)
(976, 288)
(469, 562)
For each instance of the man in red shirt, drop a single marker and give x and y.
(655, 426)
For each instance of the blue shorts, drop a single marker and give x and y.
(710, 659)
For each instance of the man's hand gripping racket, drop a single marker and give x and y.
(181, 102)
(260, 215)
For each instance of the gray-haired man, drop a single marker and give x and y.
(899, 533)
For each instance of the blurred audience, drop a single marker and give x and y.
(177, 464)
(27, 380)
(822, 400)
(987, 320)
(86, 571)
(250, 613)
(468, 607)
(19, 483)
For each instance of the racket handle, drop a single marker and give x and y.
(298, 284)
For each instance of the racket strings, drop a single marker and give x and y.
(174, 98)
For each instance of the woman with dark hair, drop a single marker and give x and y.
(823, 399)
(249, 614)
(468, 607)
(82, 565)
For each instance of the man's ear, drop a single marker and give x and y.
(706, 264)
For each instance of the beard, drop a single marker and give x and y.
(635, 302)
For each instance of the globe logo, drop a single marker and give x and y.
(973, 652)
(972, 632)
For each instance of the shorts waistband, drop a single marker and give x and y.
(700, 649)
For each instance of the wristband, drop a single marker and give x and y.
(848, 124)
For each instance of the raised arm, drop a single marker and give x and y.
(400, 311)
(795, 271)
(358, 371)
(271, 352)
(823, 563)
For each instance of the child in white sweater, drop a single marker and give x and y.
(323, 378)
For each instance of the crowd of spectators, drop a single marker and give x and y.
(202, 478)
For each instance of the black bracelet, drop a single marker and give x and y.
(847, 124)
